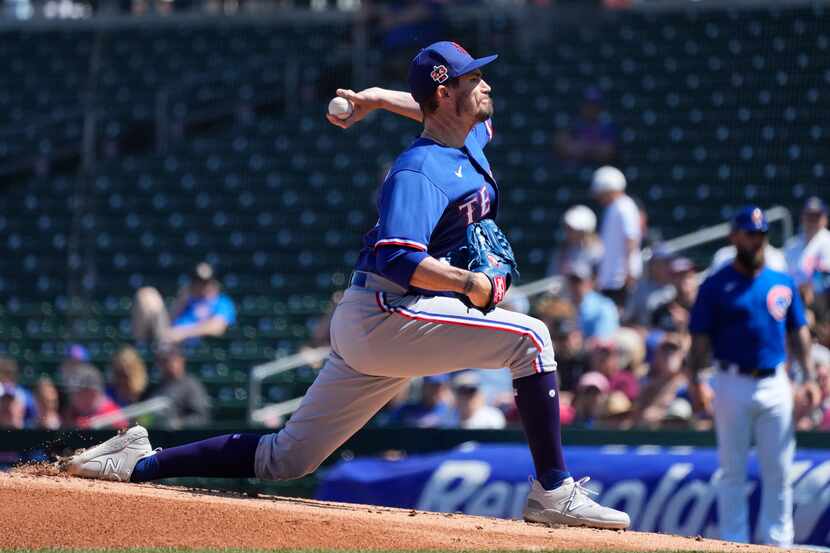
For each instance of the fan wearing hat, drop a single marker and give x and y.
(808, 253)
(652, 291)
(200, 309)
(750, 318)
(664, 380)
(607, 357)
(589, 399)
(432, 409)
(471, 410)
(580, 242)
(597, 314)
(673, 315)
(87, 400)
(621, 234)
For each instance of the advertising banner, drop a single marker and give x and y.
(670, 490)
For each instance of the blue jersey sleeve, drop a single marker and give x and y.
(701, 320)
(795, 314)
(483, 133)
(410, 207)
(225, 309)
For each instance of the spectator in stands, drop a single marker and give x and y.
(580, 244)
(673, 316)
(496, 385)
(129, 377)
(590, 398)
(200, 310)
(12, 409)
(9, 374)
(471, 411)
(592, 137)
(87, 400)
(808, 255)
(632, 351)
(664, 381)
(190, 403)
(433, 409)
(822, 364)
(652, 291)
(806, 416)
(596, 314)
(605, 358)
(76, 356)
(680, 416)
(621, 233)
(559, 315)
(571, 358)
(48, 405)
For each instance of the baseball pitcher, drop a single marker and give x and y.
(423, 300)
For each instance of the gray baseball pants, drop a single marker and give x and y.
(380, 339)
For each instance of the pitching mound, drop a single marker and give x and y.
(38, 510)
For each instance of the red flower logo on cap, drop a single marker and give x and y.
(439, 73)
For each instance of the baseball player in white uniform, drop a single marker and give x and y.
(745, 314)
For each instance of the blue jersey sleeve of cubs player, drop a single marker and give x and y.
(410, 207)
(701, 319)
(483, 133)
(795, 314)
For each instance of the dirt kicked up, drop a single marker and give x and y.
(41, 509)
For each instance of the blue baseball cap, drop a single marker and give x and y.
(814, 204)
(750, 219)
(77, 352)
(437, 63)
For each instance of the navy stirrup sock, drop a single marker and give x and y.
(228, 456)
(537, 398)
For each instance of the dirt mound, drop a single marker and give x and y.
(39, 509)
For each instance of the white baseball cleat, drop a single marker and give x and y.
(569, 504)
(114, 459)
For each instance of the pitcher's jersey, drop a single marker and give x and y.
(430, 196)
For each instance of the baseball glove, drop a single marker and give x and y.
(487, 251)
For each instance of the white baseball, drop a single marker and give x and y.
(340, 107)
